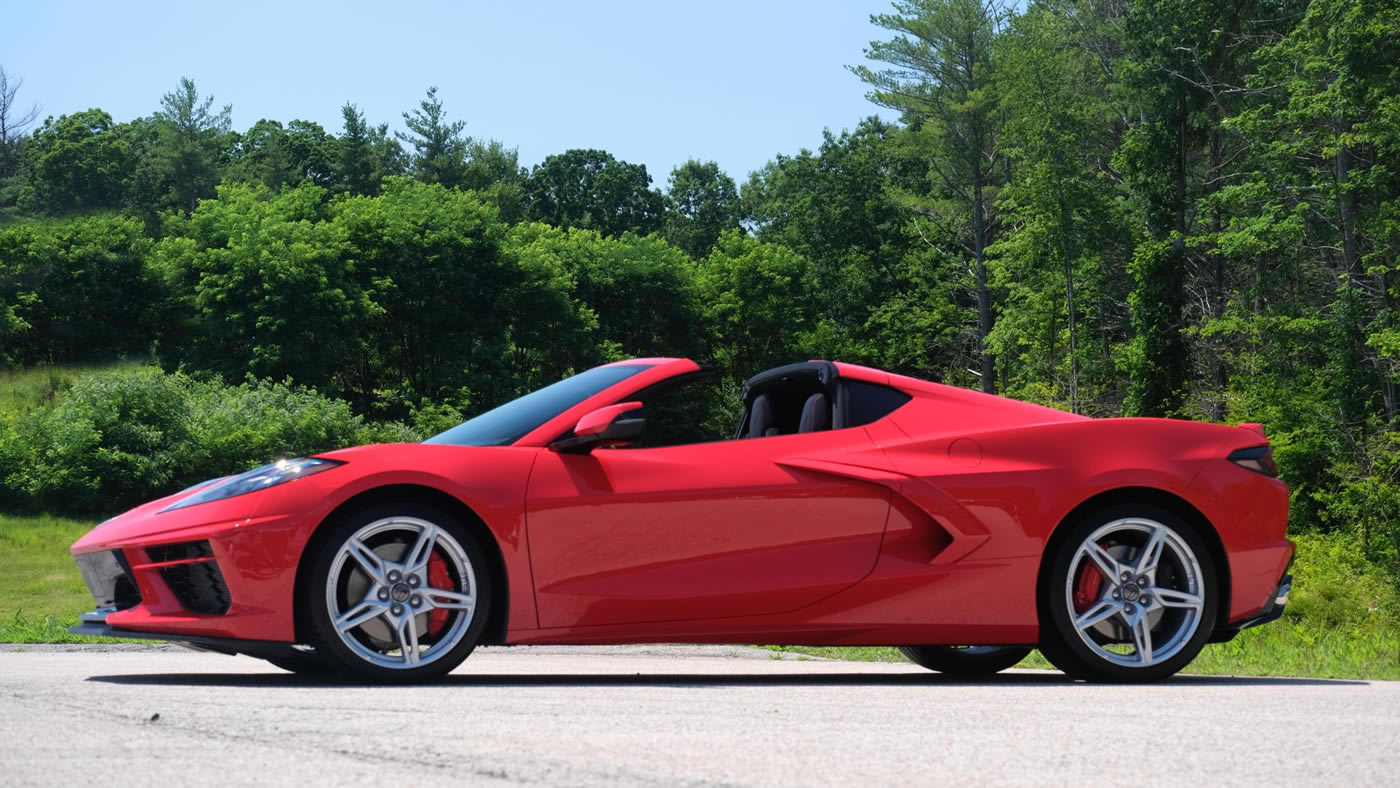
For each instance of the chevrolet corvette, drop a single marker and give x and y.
(841, 505)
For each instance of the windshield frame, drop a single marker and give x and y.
(514, 420)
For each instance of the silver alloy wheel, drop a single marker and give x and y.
(378, 585)
(1150, 597)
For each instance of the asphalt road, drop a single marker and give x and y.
(673, 716)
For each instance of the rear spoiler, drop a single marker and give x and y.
(1256, 428)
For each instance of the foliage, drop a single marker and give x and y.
(366, 154)
(1167, 207)
(123, 436)
(835, 208)
(701, 203)
(77, 163)
(752, 303)
(182, 151)
(264, 284)
(591, 190)
(940, 75)
(439, 149)
(638, 290)
(76, 290)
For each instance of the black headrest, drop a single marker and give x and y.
(816, 414)
(760, 416)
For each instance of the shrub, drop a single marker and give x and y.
(235, 428)
(12, 453)
(123, 436)
(113, 440)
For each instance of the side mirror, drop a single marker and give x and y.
(608, 426)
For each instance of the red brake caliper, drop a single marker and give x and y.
(438, 578)
(1086, 591)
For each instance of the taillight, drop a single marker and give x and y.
(1259, 459)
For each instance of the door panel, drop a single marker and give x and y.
(703, 531)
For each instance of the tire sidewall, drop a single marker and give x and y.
(328, 643)
(952, 660)
(1066, 645)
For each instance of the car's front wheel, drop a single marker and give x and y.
(965, 660)
(1131, 595)
(302, 664)
(397, 593)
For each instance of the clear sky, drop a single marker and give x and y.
(651, 82)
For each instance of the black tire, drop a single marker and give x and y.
(1099, 652)
(303, 664)
(966, 660)
(367, 659)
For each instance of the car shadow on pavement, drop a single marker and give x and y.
(274, 679)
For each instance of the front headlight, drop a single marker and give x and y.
(279, 472)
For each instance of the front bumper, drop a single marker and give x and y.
(95, 624)
(187, 573)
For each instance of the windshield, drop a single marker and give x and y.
(516, 419)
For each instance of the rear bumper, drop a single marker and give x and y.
(1270, 612)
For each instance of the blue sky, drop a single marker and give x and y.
(652, 82)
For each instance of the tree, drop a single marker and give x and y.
(79, 162)
(366, 154)
(941, 79)
(277, 156)
(266, 285)
(77, 290)
(641, 290)
(453, 311)
(701, 203)
(838, 209)
(1064, 216)
(590, 189)
(186, 148)
(14, 120)
(440, 150)
(751, 301)
(494, 170)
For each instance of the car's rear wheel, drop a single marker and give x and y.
(1131, 595)
(397, 593)
(965, 660)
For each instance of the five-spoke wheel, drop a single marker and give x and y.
(1130, 596)
(400, 593)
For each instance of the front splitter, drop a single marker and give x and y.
(93, 624)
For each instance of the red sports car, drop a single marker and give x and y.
(850, 506)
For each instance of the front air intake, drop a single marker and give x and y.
(196, 581)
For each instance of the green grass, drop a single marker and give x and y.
(41, 592)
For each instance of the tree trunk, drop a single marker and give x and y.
(984, 301)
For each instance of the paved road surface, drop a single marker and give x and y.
(671, 716)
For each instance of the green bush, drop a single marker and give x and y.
(12, 454)
(1337, 587)
(115, 438)
(120, 437)
(235, 428)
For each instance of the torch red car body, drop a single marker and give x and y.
(902, 513)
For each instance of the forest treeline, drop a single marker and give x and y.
(1185, 208)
